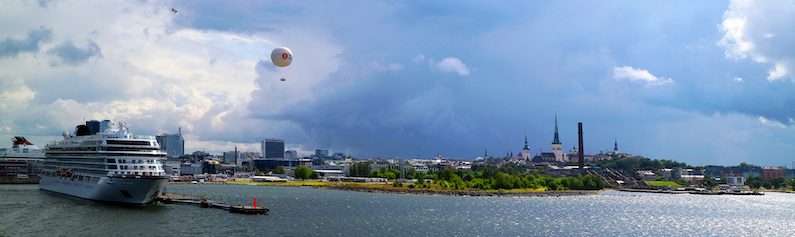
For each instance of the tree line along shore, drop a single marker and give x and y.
(481, 180)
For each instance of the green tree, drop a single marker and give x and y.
(302, 172)
(446, 173)
(360, 169)
(314, 175)
(779, 182)
(503, 181)
(469, 176)
(421, 184)
(555, 184)
(388, 175)
(457, 182)
(412, 174)
(710, 182)
(397, 172)
(754, 182)
(278, 170)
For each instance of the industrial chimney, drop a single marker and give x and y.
(581, 150)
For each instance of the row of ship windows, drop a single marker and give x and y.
(130, 143)
(140, 173)
(116, 142)
(82, 163)
(107, 158)
(126, 167)
(113, 167)
(105, 149)
(75, 165)
(134, 161)
(72, 177)
(111, 161)
(70, 171)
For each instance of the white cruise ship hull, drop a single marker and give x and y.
(127, 190)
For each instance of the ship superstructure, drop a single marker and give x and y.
(103, 161)
(21, 159)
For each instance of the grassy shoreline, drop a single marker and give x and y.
(671, 184)
(433, 190)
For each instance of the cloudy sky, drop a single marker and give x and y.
(705, 82)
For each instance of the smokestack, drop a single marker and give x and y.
(581, 150)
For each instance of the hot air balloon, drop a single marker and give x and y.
(281, 57)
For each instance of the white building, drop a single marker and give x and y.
(645, 174)
(735, 181)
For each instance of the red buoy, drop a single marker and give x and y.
(255, 202)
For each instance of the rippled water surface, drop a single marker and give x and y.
(27, 211)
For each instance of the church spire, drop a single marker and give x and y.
(556, 140)
(526, 147)
(615, 146)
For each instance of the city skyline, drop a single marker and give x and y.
(697, 82)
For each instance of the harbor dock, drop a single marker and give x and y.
(170, 198)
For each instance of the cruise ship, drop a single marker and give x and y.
(20, 160)
(103, 161)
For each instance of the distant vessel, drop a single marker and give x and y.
(20, 160)
(103, 161)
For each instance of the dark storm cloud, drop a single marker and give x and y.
(71, 54)
(10, 47)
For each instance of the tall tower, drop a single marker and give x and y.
(615, 147)
(526, 149)
(557, 147)
(581, 148)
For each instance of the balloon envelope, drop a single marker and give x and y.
(281, 57)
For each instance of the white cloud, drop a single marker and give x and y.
(453, 64)
(154, 74)
(448, 64)
(418, 58)
(771, 123)
(639, 75)
(738, 79)
(761, 31)
(394, 66)
(388, 66)
(777, 72)
(14, 93)
(218, 147)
